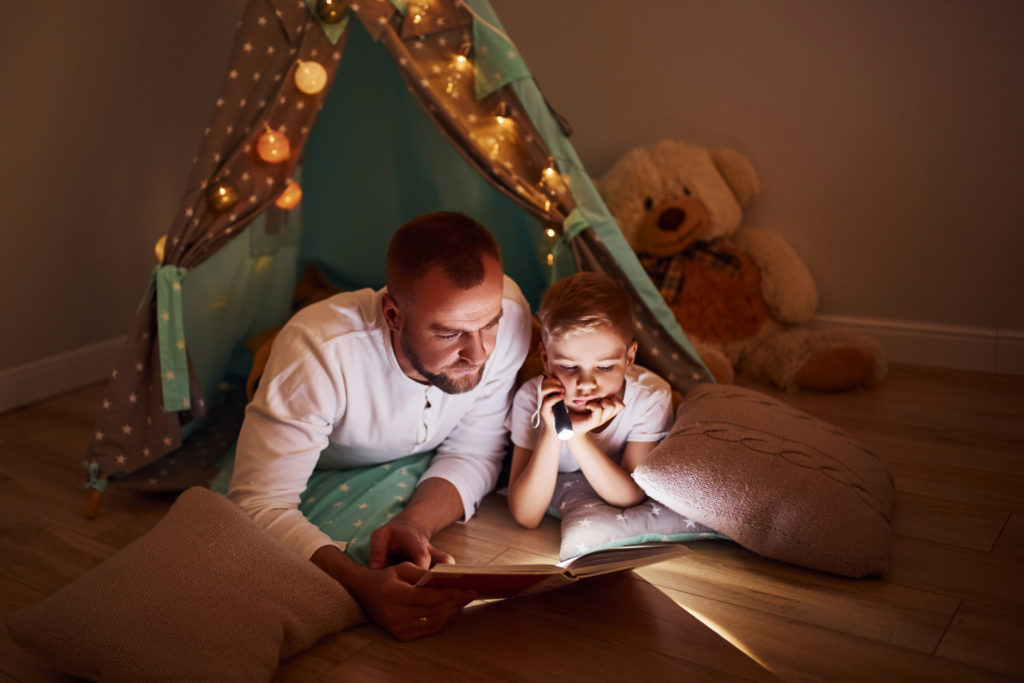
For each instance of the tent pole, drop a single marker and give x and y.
(92, 504)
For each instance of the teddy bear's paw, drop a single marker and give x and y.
(819, 360)
(836, 369)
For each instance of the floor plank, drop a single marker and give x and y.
(1011, 540)
(985, 578)
(869, 608)
(986, 636)
(587, 631)
(943, 521)
(797, 652)
(45, 557)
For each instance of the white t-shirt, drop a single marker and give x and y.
(334, 396)
(646, 417)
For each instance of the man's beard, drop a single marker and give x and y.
(446, 383)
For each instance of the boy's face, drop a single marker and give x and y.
(590, 365)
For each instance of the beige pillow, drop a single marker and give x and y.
(204, 596)
(777, 481)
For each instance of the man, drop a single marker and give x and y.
(369, 377)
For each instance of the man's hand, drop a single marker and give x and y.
(435, 504)
(401, 536)
(390, 597)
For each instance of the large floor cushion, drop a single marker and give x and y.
(203, 596)
(774, 479)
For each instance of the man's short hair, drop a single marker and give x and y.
(583, 302)
(448, 239)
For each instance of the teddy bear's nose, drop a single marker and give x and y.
(671, 219)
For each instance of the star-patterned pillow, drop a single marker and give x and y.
(588, 523)
(203, 596)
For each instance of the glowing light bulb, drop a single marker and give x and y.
(222, 196)
(158, 248)
(310, 77)
(551, 179)
(550, 232)
(459, 67)
(273, 147)
(290, 197)
(330, 11)
(502, 115)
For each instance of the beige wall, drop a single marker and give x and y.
(887, 136)
(103, 106)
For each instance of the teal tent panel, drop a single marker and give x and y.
(375, 159)
(243, 288)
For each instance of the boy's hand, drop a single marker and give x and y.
(601, 411)
(551, 391)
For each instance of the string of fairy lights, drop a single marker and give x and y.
(450, 71)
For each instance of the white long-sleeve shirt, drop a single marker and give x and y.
(334, 396)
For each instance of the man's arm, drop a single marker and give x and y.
(286, 426)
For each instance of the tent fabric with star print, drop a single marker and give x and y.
(427, 107)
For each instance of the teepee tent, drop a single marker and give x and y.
(419, 105)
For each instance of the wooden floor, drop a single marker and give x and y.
(950, 609)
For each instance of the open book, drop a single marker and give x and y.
(504, 581)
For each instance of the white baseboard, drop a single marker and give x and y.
(31, 382)
(980, 349)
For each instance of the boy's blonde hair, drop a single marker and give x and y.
(585, 301)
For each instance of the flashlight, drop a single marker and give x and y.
(563, 425)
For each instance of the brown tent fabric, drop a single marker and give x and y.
(135, 426)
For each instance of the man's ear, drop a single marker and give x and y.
(631, 355)
(392, 314)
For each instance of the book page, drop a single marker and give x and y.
(496, 581)
(625, 557)
(504, 581)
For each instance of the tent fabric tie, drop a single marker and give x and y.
(94, 481)
(574, 224)
(170, 324)
(332, 31)
(497, 58)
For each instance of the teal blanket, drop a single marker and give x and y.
(348, 505)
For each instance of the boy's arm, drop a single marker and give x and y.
(610, 481)
(532, 478)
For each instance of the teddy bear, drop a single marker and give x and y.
(741, 293)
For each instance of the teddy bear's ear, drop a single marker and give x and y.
(738, 172)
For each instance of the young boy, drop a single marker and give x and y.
(619, 410)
